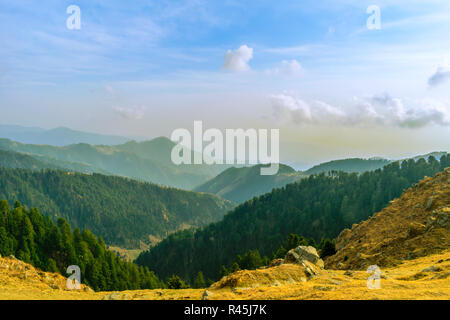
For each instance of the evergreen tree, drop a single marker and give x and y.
(199, 281)
(175, 282)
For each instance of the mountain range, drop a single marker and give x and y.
(60, 136)
(146, 161)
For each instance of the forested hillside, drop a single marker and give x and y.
(315, 207)
(10, 159)
(241, 184)
(122, 211)
(349, 165)
(146, 161)
(36, 239)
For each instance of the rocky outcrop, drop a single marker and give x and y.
(304, 253)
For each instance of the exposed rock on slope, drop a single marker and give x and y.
(415, 225)
(302, 253)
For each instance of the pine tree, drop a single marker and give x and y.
(199, 281)
(175, 282)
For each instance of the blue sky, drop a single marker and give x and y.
(311, 68)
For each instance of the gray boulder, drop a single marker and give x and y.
(302, 253)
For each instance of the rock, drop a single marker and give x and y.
(439, 219)
(276, 262)
(87, 289)
(206, 295)
(53, 286)
(415, 229)
(302, 253)
(340, 242)
(117, 296)
(432, 269)
(348, 273)
(442, 276)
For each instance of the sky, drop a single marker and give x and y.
(334, 85)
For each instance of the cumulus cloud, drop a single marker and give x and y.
(441, 75)
(133, 113)
(237, 60)
(287, 68)
(382, 110)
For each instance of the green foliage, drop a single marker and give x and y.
(316, 207)
(199, 281)
(36, 239)
(249, 261)
(326, 248)
(175, 282)
(123, 211)
(293, 241)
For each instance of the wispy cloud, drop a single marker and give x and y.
(379, 110)
(131, 113)
(441, 75)
(287, 68)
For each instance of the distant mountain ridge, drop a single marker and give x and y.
(357, 165)
(360, 165)
(241, 184)
(146, 161)
(60, 136)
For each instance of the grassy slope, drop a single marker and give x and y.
(399, 282)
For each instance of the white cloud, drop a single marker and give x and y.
(411, 113)
(237, 60)
(287, 68)
(134, 113)
(381, 110)
(441, 75)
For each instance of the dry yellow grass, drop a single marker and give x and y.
(405, 281)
